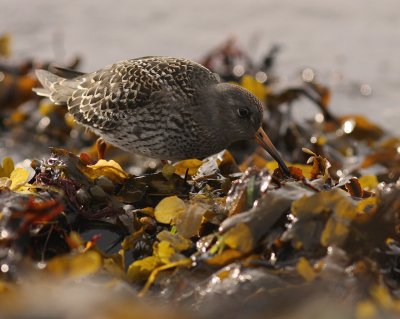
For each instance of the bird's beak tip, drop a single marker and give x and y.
(263, 140)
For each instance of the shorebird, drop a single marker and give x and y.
(162, 107)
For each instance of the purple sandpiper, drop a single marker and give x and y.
(162, 107)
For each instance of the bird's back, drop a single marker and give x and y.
(104, 98)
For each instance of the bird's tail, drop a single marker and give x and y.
(58, 89)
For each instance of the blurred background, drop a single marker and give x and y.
(352, 45)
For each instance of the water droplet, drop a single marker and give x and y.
(313, 139)
(349, 126)
(261, 77)
(339, 132)
(308, 75)
(319, 117)
(238, 70)
(41, 265)
(3, 234)
(5, 268)
(44, 122)
(235, 273)
(265, 183)
(365, 89)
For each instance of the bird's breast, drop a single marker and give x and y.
(164, 135)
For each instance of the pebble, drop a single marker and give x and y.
(97, 192)
(105, 183)
(83, 196)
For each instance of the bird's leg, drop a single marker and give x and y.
(101, 147)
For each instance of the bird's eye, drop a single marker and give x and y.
(243, 112)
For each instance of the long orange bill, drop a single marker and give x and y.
(266, 143)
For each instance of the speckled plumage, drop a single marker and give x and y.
(162, 107)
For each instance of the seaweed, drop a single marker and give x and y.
(225, 236)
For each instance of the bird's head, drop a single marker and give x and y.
(237, 114)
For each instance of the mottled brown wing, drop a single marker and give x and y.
(107, 97)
